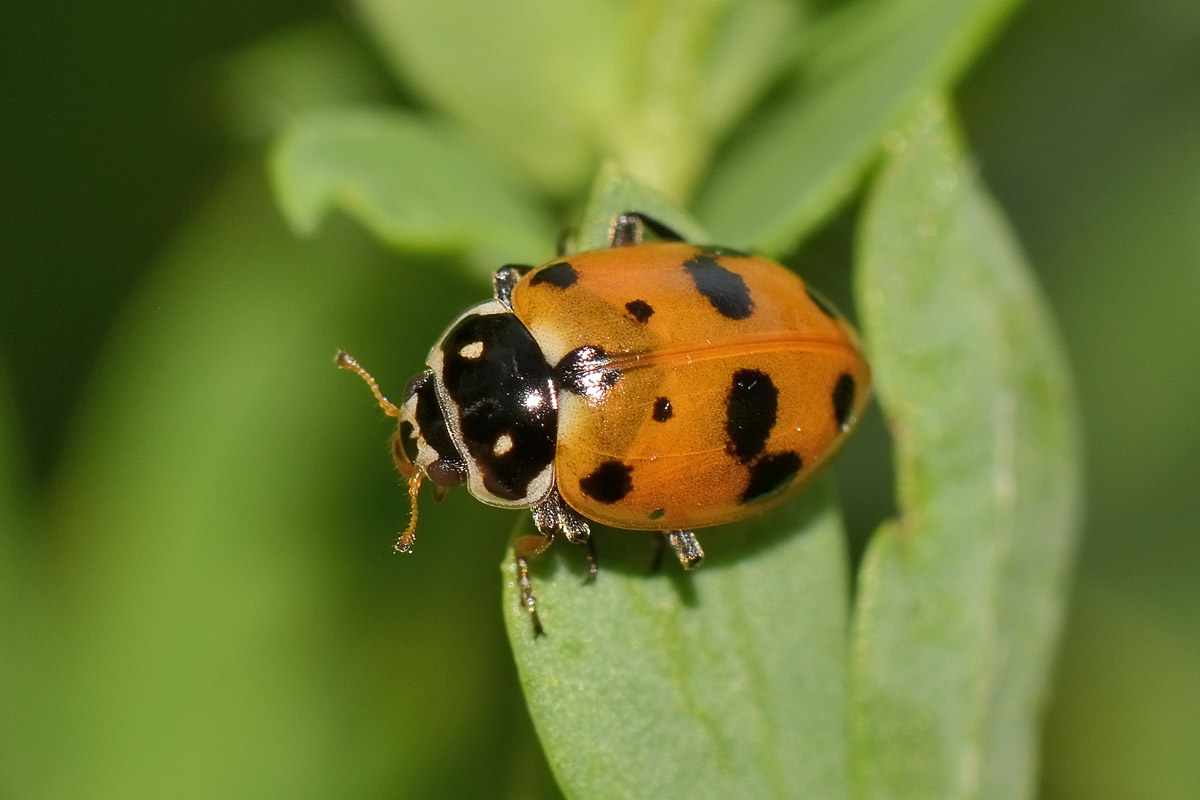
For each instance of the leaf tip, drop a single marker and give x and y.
(302, 210)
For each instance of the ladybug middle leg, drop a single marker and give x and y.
(579, 533)
(552, 516)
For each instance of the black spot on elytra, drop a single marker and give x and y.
(724, 289)
(772, 473)
(657, 513)
(750, 412)
(640, 310)
(712, 251)
(608, 483)
(584, 371)
(826, 307)
(843, 400)
(662, 410)
(560, 274)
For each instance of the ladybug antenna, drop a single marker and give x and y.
(346, 361)
(407, 539)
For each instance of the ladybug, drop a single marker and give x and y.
(656, 386)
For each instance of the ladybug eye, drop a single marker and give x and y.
(446, 472)
(414, 385)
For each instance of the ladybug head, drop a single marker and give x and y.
(421, 446)
(422, 443)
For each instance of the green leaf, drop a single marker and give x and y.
(691, 69)
(529, 78)
(553, 87)
(725, 682)
(750, 43)
(960, 600)
(615, 192)
(863, 71)
(414, 182)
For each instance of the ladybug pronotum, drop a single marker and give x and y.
(647, 386)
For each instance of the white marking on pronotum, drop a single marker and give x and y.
(472, 350)
(503, 444)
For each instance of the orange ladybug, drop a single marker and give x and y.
(648, 386)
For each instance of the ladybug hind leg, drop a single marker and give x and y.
(687, 548)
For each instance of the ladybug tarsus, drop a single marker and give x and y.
(527, 598)
(626, 231)
(572, 525)
(552, 516)
(505, 279)
(525, 548)
(686, 547)
(629, 229)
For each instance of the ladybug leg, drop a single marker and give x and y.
(686, 548)
(628, 228)
(578, 533)
(505, 279)
(589, 544)
(552, 515)
(547, 515)
(525, 548)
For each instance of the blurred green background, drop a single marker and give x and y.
(204, 605)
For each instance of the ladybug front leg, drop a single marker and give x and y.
(550, 516)
(525, 548)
